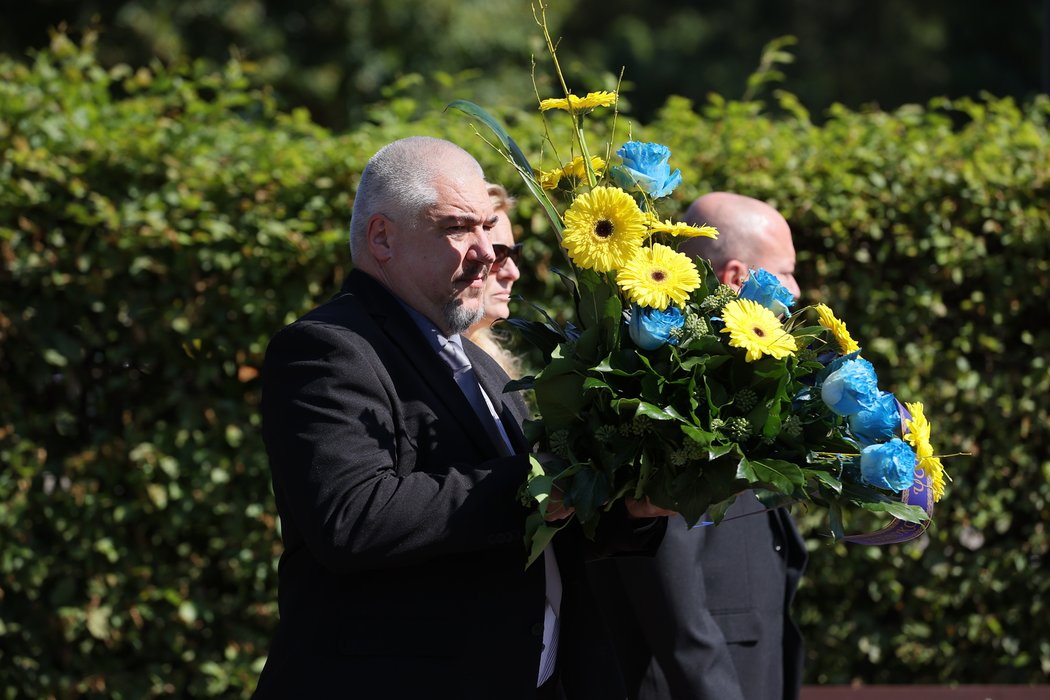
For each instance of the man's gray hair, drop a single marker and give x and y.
(398, 182)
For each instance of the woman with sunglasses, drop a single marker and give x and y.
(502, 276)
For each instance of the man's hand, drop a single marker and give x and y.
(637, 510)
(556, 508)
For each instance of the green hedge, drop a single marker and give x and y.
(158, 224)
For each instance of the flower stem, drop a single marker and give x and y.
(541, 19)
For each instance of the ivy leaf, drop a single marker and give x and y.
(824, 477)
(782, 476)
(589, 491)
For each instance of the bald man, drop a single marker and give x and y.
(708, 617)
(753, 235)
(396, 460)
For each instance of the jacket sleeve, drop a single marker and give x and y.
(350, 483)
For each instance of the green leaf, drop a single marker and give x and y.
(559, 393)
(517, 157)
(622, 363)
(588, 345)
(701, 437)
(98, 622)
(835, 521)
(595, 383)
(778, 474)
(523, 384)
(717, 511)
(824, 478)
(899, 510)
(716, 451)
(594, 292)
(53, 357)
(589, 489)
(538, 534)
(541, 336)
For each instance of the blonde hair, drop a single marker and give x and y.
(501, 200)
(492, 342)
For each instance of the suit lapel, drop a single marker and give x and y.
(492, 379)
(431, 369)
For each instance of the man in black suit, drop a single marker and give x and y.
(396, 461)
(708, 617)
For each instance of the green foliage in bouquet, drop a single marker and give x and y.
(687, 425)
(669, 386)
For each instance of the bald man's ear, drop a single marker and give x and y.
(733, 273)
(379, 235)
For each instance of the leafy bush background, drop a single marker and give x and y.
(158, 224)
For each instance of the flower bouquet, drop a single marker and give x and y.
(670, 386)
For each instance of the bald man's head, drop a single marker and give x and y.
(751, 234)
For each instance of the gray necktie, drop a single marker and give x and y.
(462, 371)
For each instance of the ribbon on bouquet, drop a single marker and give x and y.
(920, 493)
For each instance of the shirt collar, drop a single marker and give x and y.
(431, 332)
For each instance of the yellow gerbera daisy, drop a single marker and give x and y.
(576, 168)
(657, 276)
(754, 328)
(917, 434)
(603, 229)
(918, 430)
(680, 228)
(549, 179)
(580, 104)
(838, 329)
(933, 467)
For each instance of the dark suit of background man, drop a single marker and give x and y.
(403, 572)
(708, 617)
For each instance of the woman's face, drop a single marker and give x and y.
(503, 274)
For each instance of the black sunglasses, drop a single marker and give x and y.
(506, 251)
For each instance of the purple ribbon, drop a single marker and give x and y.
(920, 494)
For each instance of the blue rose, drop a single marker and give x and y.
(764, 288)
(888, 465)
(878, 423)
(851, 388)
(645, 166)
(650, 328)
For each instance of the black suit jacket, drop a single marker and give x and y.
(708, 617)
(403, 567)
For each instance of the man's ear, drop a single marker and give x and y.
(733, 273)
(380, 236)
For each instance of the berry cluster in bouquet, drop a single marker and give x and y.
(670, 386)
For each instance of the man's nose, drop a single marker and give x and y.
(482, 250)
